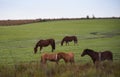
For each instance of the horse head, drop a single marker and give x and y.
(35, 50)
(59, 55)
(85, 51)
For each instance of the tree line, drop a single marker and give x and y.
(28, 21)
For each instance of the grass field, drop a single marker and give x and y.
(17, 42)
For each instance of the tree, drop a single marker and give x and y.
(87, 17)
(93, 16)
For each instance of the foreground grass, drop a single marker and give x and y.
(35, 69)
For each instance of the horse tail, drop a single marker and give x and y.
(75, 39)
(53, 44)
(111, 56)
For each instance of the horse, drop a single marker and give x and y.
(68, 39)
(98, 56)
(45, 43)
(51, 57)
(55, 57)
(67, 57)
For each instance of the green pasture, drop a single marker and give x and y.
(17, 42)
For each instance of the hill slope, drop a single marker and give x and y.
(17, 42)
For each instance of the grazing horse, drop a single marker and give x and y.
(44, 43)
(67, 57)
(68, 39)
(98, 56)
(51, 57)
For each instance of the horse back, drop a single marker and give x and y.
(71, 54)
(51, 57)
(107, 55)
(45, 42)
(70, 38)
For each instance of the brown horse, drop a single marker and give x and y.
(67, 57)
(98, 56)
(44, 43)
(68, 39)
(51, 57)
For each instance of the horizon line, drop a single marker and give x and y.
(62, 18)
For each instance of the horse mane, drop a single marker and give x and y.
(36, 46)
(90, 50)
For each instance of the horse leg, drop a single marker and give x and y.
(111, 57)
(52, 48)
(66, 61)
(43, 61)
(40, 48)
(94, 61)
(111, 60)
(57, 62)
(72, 61)
(66, 43)
(75, 42)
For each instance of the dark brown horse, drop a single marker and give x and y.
(68, 39)
(67, 57)
(44, 43)
(51, 57)
(98, 56)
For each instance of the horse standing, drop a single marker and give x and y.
(51, 57)
(44, 43)
(68, 39)
(98, 56)
(67, 57)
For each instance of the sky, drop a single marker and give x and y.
(34, 9)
